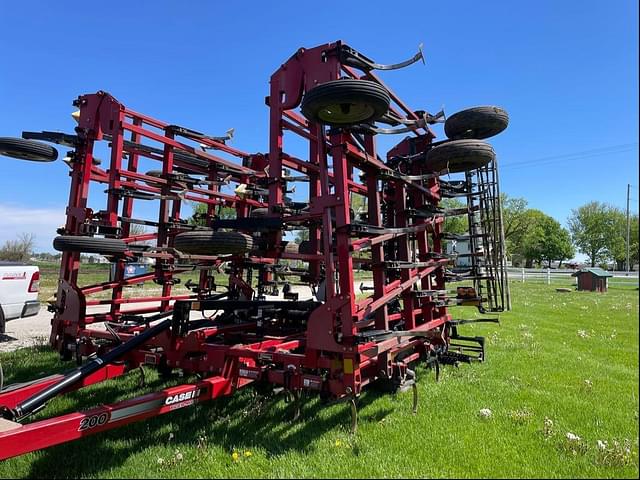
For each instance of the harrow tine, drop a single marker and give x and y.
(354, 415)
(414, 387)
(297, 406)
(142, 381)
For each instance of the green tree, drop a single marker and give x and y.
(514, 218)
(634, 243)
(529, 243)
(594, 230)
(547, 241)
(617, 245)
(200, 211)
(455, 223)
(301, 235)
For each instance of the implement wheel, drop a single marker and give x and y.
(345, 102)
(460, 156)
(305, 248)
(103, 246)
(208, 242)
(153, 173)
(476, 122)
(27, 149)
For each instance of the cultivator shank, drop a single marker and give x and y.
(262, 308)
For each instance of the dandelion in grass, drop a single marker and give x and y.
(588, 383)
(337, 443)
(547, 429)
(616, 453)
(572, 437)
(160, 461)
(247, 453)
(485, 413)
(235, 456)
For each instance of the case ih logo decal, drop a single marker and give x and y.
(179, 399)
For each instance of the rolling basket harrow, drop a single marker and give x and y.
(381, 214)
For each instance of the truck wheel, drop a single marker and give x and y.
(3, 323)
(104, 246)
(208, 242)
(27, 149)
(459, 156)
(345, 102)
(476, 122)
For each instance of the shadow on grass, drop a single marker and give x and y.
(245, 420)
(31, 363)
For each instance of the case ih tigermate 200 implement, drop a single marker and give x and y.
(378, 213)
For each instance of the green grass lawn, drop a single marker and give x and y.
(559, 364)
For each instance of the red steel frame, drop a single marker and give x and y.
(328, 355)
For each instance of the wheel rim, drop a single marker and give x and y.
(346, 112)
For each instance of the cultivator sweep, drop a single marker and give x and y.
(266, 310)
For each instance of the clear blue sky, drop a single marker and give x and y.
(567, 72)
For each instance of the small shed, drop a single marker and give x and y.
(592, 279)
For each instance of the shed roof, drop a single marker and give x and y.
(598, 272)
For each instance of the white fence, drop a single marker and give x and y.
(548, 276)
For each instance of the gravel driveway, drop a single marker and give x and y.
(26, 332)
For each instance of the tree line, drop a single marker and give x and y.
(596, 229)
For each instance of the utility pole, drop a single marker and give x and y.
(628, 225)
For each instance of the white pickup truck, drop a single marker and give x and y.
(19, 285)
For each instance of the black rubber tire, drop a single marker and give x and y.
(209, 242)
(305, 248)
(153, 173)
(459, 156)
(354, 101)
(3, 323)
(103, 246)
(477, 122)
(27, 149)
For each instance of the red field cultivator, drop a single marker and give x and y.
(288, 315)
